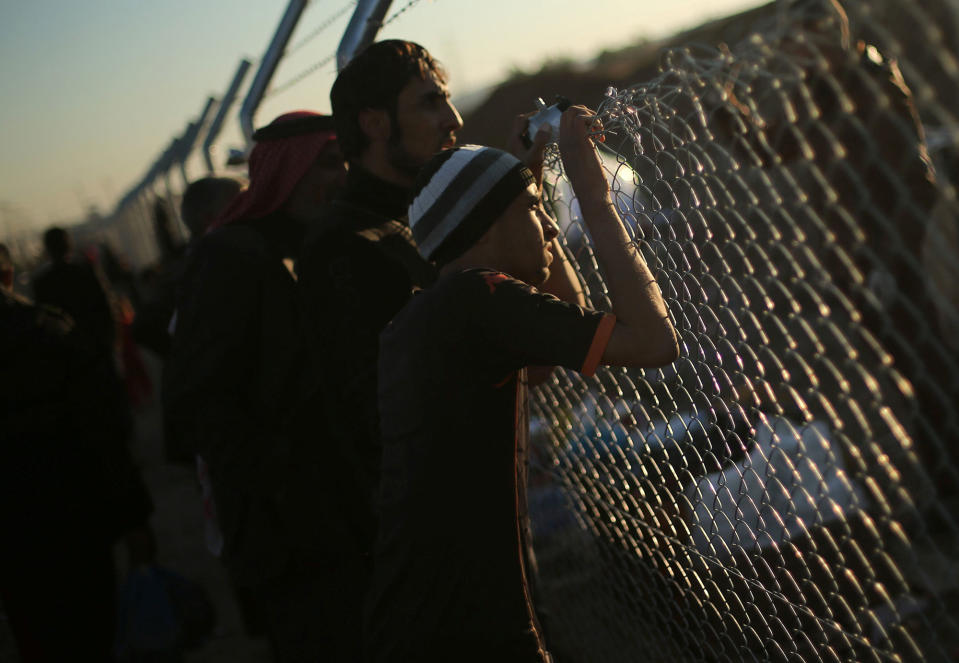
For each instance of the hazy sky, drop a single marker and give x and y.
(94, 91)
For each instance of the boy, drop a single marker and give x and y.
(449, 579)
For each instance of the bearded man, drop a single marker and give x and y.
(360, 265)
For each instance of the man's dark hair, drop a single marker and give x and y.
(206, 198)
(374, 79)
(57, 243)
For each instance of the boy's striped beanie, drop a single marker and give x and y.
(459, 194)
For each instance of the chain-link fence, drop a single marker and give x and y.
(787, 490)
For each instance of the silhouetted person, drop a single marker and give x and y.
(76, 288)
(359, 267)
(232, 384)
(164, 228)
(116, 271)
(68, 487)
(203, 201)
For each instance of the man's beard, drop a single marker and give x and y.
(399, 158)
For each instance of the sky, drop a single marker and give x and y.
(94, 91)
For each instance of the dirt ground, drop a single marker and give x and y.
(178, 525)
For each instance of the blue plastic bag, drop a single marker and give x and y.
(159, 614)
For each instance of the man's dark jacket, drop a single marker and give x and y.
(358, 269)
(66, 474)
(233, 391)
(68, 485)
(80, 290)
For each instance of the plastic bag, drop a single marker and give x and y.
(160, 614)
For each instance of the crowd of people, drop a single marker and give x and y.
(341, 332)
(69, 489)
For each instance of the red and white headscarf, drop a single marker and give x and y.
(285, 149)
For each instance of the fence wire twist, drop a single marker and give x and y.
(787, 489)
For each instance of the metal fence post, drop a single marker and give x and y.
(362, 29)
(183, 149)
(225, 103)
(268, 67)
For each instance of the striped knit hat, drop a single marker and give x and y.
(459, 194)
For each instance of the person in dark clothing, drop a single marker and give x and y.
(360, 266)
(165, 230)
(450, 580)
(205, 199)
(232, 389)
(76, 288)
(203, 202)
(68, 486)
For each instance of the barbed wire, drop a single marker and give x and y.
(321, 28)
(316, 66)
(313, 68)
(402, 10)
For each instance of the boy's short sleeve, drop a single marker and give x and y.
(537, 329)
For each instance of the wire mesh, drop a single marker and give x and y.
(786, 490)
